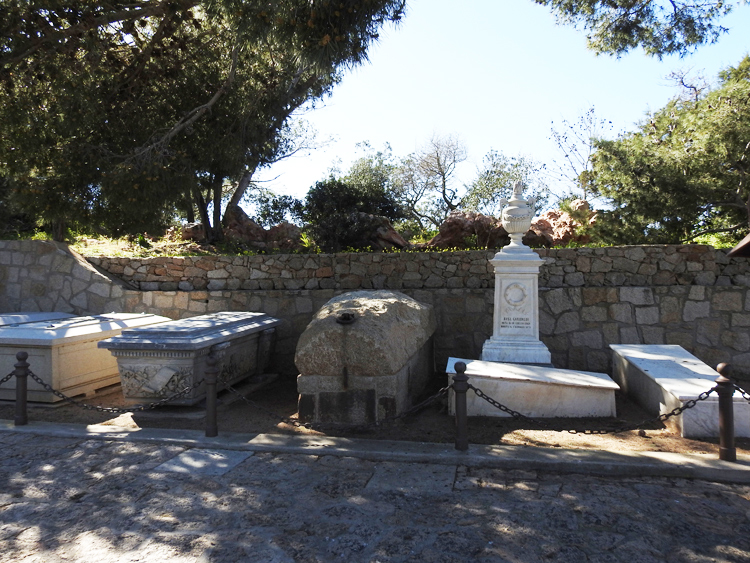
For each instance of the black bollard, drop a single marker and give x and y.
(212, 370)
(22, 375)
(725, 390)
(460, 387)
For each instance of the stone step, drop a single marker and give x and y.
(536, 391)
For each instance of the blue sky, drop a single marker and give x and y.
(496, 73)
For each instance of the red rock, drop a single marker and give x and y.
(460, 229)
(560, 227)
(193, 231)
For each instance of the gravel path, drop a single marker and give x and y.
(73, 499)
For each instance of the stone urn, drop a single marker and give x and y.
(516, 218)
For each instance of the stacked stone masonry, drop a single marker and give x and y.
(658, 265)
(693, 296)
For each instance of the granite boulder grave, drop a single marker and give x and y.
(364, 356)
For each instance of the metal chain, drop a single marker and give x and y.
(7, 377)
(115, 410)
(688, 405)
(623, 428)
(323, 426)
(745, 394)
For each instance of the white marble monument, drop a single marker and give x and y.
(662, 377)
(536, 391)
(63, 351)
(515, 335)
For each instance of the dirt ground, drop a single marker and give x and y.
(272, 409)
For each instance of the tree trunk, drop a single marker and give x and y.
(217, 231)
(202, 211)
(189, 210)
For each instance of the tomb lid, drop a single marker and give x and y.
(672, 367)
(193, 333)
(22, 318)
(532, 373)
(56, 331)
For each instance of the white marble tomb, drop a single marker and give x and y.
(63, 353)
(535, 391)
(661, 377)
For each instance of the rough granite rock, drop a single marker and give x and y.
(460, 228)
(560, 228)
(378, 233)
(388, 329)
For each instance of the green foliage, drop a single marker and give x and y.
(337, 213)
(660, 28)
(273, 209)
(121, 115)
(718, 240)
(685, 172)
(413, 232)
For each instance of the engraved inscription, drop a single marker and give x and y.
(515, 322)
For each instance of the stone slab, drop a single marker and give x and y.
(661, 377)
(23, 318)
(535, 391)
(434, 479)
(193, 333)
(204, 462)
(64, 354)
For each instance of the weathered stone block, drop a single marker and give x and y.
(373, 345)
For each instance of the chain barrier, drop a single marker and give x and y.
(7, 377)
(320, 426)
(622, 428)
(114, 410)
(745, 394)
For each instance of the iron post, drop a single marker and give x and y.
(725, 390)
(460, 387)
(212, 370)
(21, 372)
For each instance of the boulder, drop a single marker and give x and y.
(561, 228)
(377, 232)
(238, 225)
(462, 229)
(363, 357)
(285, 236)
(193, 231)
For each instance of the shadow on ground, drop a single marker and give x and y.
(273, 409)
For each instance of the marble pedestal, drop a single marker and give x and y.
(160, 361)
(663, 377)
(535, 391)
(515, 334)
(63, 353)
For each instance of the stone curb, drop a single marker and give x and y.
(557, 460)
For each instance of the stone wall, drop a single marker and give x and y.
(657, 265)
(590, 299)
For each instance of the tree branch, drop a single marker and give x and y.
(132, 13)
(194, 114)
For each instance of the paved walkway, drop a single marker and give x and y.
(68, 493)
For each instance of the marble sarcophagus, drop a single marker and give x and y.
(161, 361)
